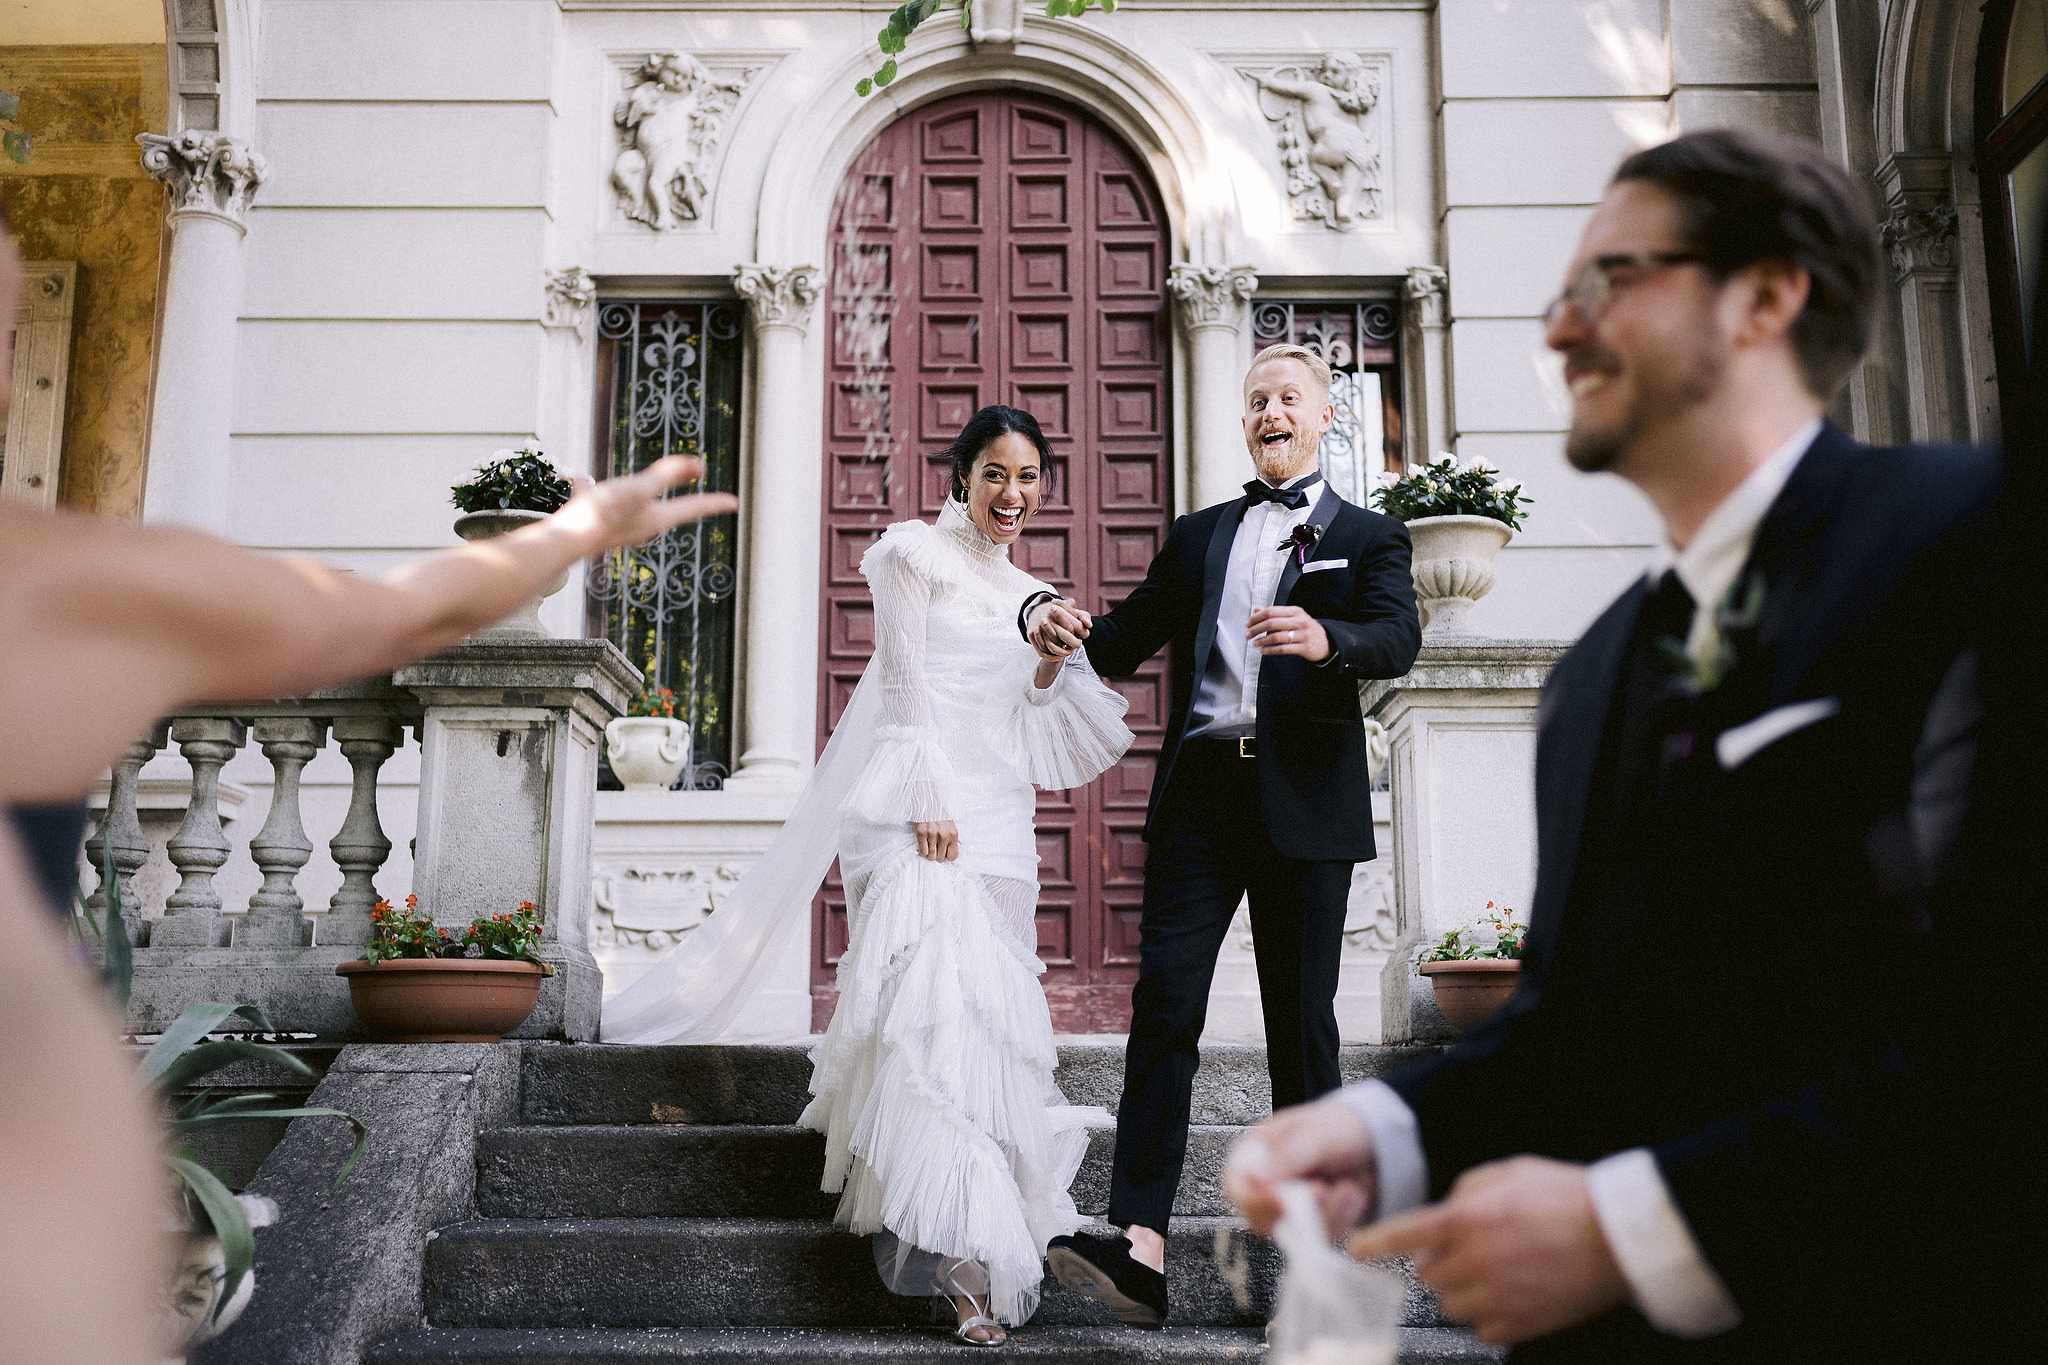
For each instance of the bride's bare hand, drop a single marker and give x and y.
(937, 840)
(631, 509)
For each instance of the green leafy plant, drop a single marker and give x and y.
(654, 701)
(182, 1055)
(412, 933)
(905, 19)
(1496, 934)
(1447, 489)
(14, 140)
(520, 480)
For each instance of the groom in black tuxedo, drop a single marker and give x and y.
(1277, 604)
(1731, 1112)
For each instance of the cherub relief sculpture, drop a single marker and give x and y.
(1329, 142)
(669, 123)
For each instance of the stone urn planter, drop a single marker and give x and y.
(442, 999)
(647, 753)
(1471, 991)
(525, 622)
(189, 1313)
(1453, 567)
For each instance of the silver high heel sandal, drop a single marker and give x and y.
(976, 1321)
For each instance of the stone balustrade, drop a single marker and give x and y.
(509, 733)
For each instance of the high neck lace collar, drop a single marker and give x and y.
(954, 521)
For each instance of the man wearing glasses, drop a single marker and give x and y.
(1727, 1114)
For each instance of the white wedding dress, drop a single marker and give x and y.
(933, 1084)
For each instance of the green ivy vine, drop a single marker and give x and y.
(911, 13)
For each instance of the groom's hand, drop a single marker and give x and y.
(1326, 1143)
(1288, 630)
(1057, 628)
(937, 840)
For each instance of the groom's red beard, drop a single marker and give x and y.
(1282, 461)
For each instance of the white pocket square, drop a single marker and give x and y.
(1739, 743)
(1314, 565)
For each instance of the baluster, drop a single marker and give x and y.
(360, 848)
(192, 914)
(281, 848)
(123, 825)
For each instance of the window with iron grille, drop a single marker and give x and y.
(669, 384)
(1357, 337)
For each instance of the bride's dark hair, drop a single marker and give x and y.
(992, 422)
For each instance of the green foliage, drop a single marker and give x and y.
(412, 933)
(514, 479)
(513, 937)
(1496, 935)
(1448, 489)
(14, 141)
(903, 22)
(654, 701)
(180, 1057)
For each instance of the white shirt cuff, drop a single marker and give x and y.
(1674, 1287)
(1402, 1169)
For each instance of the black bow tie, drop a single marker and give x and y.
(1258, 490)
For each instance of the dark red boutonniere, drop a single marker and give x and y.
(1301, 540)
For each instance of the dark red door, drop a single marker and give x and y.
(1008, 248)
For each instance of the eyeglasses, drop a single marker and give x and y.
(1591, 291)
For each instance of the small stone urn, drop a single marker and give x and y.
(1453, 567)
(488, 525)
(647, 753)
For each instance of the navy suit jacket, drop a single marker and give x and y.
(1311, 736)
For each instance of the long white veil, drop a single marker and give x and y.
(693, 993)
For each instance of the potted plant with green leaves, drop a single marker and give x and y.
(417, 983)
(1474, 969)
(513, 488)
(649, 746)
(1459, 516)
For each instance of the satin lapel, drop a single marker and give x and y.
(1323, 515)
(1215, 565)
(1788, 552)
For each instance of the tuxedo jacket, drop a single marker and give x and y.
(1312, 763)
(1741, 974)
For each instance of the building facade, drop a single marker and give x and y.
(398, 235)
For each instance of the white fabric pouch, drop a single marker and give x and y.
(1330, 1310)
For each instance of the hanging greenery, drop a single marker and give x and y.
(907, 16)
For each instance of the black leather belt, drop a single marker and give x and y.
(1237, 746)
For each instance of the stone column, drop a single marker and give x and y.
(1212, 309)
(1462, 737)
(1920, 231)
(508, 777)
(568, 321)
(1427, 372)
(211, 178)
(779, 649)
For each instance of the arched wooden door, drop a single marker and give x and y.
(998, 247)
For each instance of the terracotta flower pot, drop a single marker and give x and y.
(1470, 992)
(488, 525)
(442, 999)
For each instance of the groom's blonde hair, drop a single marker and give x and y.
(1287, 350)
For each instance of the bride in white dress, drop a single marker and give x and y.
(944, 1131)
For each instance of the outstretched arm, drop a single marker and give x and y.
(1121, 640)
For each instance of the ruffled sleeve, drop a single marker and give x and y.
(1061, 737)
(909, 778)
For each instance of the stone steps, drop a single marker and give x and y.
(814, 1346)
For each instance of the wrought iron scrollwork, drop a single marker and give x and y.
(1356, 339)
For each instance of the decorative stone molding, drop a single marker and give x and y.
(1428, 292)
(1921, 238)
(670, 120)
(996, 25)
(209, 173)
(570, 294)
(1328, 120)
(653, 908)
(1212, 295)
(778, 296)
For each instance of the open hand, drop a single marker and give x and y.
(1288, 630)
(937, 840)
(1515, 1250)
(631, 509)
(1057, 628)
(1326, 1143)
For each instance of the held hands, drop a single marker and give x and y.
(1057, 628)
(1515, 1250)
(1325, 1143)
(937, 840)
(1288, 630)
(630, 510)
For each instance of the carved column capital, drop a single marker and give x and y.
(1212, 295)
(206, 173)
(1428, 293)
(569, 296)
(778, 296)
(1920, 238)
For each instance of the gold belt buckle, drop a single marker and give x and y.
(1247, 746)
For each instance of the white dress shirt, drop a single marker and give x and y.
(1227, 696)
(1668, 1276)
